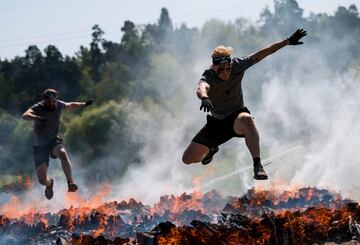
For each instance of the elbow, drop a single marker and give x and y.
(198, 93)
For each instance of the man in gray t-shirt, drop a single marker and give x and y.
(47, 129)
(221, 94)
(46, 117)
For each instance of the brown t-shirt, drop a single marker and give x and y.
(227, 96)
(46, 130)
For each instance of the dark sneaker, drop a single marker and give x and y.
(49, 193)
(208, 158)
(259, 172)
(72, 187)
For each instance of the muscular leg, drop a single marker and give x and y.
(41, 172)
(244, 124)
(194, 153)
(60, 152)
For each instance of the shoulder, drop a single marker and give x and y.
(242, 60)
(242, 63)
(37, 106)
(61, 104)
(208, 76)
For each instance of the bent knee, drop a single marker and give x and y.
(62, 154)
(247, 120)
(243, 123)
(194, 153)
(186, 159)
(42, 181)
(190, 158)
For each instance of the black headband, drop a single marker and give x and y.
(221, 60)
(50, 94)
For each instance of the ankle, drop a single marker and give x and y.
(49, 183)
(256, 161)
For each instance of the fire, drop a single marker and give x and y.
(180, 203)
(257, 217)
(28, 183)
(15, 209)
(75, 199)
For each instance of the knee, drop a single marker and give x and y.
(247, 121)
(42, 181)
(62, 154)
(186, 159)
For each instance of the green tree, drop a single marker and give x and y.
(216, 32)
(287, 17)
(102, 138)
(15, 145)
(96, 54)
(157, 36)
(132, 43)
(54, 66)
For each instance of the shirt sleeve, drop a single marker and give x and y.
(241, 64)
(61, 104)
(207, 76)
(36, 107)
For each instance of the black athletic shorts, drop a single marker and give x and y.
(218, 131)
(42, 153)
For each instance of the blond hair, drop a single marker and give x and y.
(222, 51)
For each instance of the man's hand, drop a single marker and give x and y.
(29, 114)
(206, 104)
(294, 38)
(89, 102)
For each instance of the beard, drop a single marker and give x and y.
(50, 108)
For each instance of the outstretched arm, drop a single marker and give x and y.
(292, 40)
(259, 55)
(76, 105)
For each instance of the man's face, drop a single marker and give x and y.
(50, 103)
(223, 71)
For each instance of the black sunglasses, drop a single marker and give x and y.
(50, 94)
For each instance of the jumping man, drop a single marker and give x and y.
(46, 116)
(220, 92)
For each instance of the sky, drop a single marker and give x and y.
(67, 23)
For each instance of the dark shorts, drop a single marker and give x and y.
(42, 153)
(216, 131)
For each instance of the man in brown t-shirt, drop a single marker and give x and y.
(46, 117)
(221, 94)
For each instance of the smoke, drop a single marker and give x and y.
(316, 108)
(331, 160)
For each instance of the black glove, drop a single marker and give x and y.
(294, 38)
(206, 104)
(89, 102)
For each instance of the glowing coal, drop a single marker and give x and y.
(259, 217)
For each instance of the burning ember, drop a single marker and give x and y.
(307, 216)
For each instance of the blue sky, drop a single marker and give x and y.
(67, 23)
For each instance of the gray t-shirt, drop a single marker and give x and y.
(46, 130)
(227, 96)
